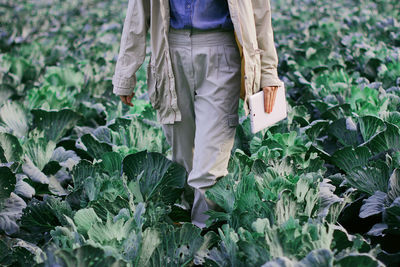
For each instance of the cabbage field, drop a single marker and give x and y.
(88, 181)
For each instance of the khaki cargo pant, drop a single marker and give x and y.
(206, 66)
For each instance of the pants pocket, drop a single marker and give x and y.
(232, 57)
(232, 120)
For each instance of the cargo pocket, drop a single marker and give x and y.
(232, 122)
(152, 86)
(228, 140)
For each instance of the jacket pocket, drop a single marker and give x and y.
(152, 86)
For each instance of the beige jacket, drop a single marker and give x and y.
(254, 34)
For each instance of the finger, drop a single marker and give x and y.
(129, 99)
(270, 100)
(274, 97)
(123, 99)
(265, 99)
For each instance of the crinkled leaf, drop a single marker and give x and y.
(317, 258)
(210, 238)
(375, 204)
(327, 198)
(83, 170)
(314, 129)
(341, 238)
(279, 262)
(337, 112)
(348, 158)
(110, 231)
(18, 252)
(370, 178)
(84, 219)
(15, 117)
(39, 151)
(10, 212)
(33, 172)
(111, 163)
(22, 188)
(226, 254)
(43, 216)
(103, 134)
(88, 255)
(358, 259)
(54, 123)
(385, 140)
(55, 186)
(95, 148)
(223, 193)
(369, 126)
(392, 117)
(11, 149)
(394, 185)
(377, 229)
(103, 206)
(345, 130)
(5, 253)
(7, 183)
(392, 213)
(180, 245)
(66, 158)
(286, 208)
(32, 249)
(151, 240)
(64, 76)
(158, 176)
(138, 135)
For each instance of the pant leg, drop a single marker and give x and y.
(207, 77)
(180, 135)
(216, 100)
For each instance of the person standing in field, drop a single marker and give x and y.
(205, 55)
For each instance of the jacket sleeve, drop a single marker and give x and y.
(265, 38)
(132, 47)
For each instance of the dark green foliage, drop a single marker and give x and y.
(158, 178)
(87, 181)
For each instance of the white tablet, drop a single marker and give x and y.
(259, 119)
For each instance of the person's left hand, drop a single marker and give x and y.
(269, 97)
(127, 99)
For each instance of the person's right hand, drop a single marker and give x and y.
(127, 99)
(269, 97)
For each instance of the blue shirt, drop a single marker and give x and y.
(200, 14)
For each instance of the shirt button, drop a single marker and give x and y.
(188, 6)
